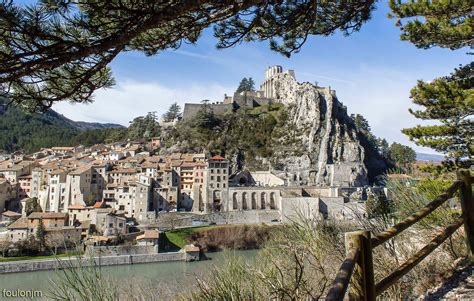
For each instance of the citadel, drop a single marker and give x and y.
(105, 186)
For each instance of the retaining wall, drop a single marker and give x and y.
(53, 264)
(120, 250)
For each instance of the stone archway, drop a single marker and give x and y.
(254, 200)
(272, 201)
(263, 201)
(235, 203)
(244, 201)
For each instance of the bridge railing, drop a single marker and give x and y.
(357, 272)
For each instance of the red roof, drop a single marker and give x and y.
(98, 205)
(217, 158)
(76, 206)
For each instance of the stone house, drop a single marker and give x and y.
(24, 186)
(110, 224)
(80, 213)
(149, 238)
(18, 230)
(68, 233)
(9, 216)
(49, 219)
(12, 170)
(7, 192)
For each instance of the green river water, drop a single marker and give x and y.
(176, 276)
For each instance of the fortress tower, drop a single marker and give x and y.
(267, 87)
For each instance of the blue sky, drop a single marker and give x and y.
(372, 72)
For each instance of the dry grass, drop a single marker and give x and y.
(241, 237)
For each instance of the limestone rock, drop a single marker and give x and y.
(329, 151)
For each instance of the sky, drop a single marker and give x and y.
(372, 72)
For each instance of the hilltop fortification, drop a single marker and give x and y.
(325, 148)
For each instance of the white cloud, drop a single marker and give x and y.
(130, 99)
(381, 95)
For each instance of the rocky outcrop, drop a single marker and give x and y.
(329, 150)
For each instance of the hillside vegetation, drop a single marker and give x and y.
(244, 136)
(30, 132)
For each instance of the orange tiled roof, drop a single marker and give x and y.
(149, 234)
(76, 206)
(98, 204)
(217, 158)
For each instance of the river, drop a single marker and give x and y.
(176, 276)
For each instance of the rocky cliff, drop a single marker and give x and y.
(328, 149)
(303, 135)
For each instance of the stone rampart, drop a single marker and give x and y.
(191, 109)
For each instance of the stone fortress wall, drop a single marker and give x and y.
(191, 109)
(247, 99)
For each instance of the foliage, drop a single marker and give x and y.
(246, 84)
(402, 155)
(234, 237)
(447, 100)
(55, 240)
(75, 42)
(363, 127)
(40, 234)
(299, 262)
(29, 132)
(443, 23)
(179, 237)
(383, 147)
(28, 246)
(229, 134)
(173, 113)
(234, 281)
(377, 205)
(53, 256)
(99, 136)
(450, 101)
(445, 170)
(5, 245)
(85, 282)
(205, 118)
(409, 196)
(31, 206)
(144, 127)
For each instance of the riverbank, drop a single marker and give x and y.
(59, 263)
(170, 278)
(207, 238)
(221, 237)
(21, 258)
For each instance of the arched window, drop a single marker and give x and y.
(254, 200)
(272, 201)
(235, 204)
(262, 201)
(244, 201)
